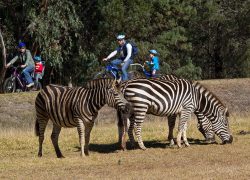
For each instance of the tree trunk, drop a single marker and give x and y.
(3, 70)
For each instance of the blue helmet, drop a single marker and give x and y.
(153, 51)
(37, 58)
(21, 45)
(120, 37)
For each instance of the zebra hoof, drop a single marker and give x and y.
(143, 148)
(61, 156)
(179, 146)
(40, 155)
(186, 144)
(172, 143)
(86, 152)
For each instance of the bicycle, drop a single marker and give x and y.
(135, 70)
(17, 83)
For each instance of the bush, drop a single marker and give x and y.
(189, 71)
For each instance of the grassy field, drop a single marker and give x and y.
(18, 145)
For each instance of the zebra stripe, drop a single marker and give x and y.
(204, 124)
(163, 98)
(74, 107)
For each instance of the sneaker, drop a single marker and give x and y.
(30, 84)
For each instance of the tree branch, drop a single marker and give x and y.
(3, 70)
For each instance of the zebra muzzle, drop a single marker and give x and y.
(228, 141)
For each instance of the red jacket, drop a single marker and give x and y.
(38, 67)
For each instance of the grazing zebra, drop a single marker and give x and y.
(163, 98)
(75, 107)
(204, 125)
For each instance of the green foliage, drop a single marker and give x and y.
(73, 36)
(189, 71)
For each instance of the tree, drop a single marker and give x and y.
(3, 70)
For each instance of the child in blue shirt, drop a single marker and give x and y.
(152, 66)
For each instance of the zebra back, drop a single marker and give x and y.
(208, 100)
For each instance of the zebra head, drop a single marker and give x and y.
(116, 99)
(221, 126)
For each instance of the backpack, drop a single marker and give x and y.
(135, 49)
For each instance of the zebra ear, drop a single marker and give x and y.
(226, 113)
(119, 80)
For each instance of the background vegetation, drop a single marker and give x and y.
(198, 39)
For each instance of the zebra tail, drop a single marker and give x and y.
(37, 128)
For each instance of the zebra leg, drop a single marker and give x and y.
(130, 131)
(138, 127)
(88, 128)
(80, 129)
(171, 125)
(54, 137)
(40, 127)
(185, 135)
(185, 115)
(123, 124)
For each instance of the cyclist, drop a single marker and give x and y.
(152, 66)
(25, 59)
(126, 57)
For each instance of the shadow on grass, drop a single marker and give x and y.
(114, 147)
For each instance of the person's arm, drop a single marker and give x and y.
(12, 61)
(110, 55)
(129, 52)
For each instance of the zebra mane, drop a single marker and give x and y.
(202, 88)
(99, 83)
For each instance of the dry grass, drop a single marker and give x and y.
(18, 154)
(18, 145)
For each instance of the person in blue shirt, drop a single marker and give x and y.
(126, 56)
(152, 66)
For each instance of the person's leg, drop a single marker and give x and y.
(26, 72)
(115, 64)
(125, 68)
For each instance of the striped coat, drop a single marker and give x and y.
(204, 124)
(163, 98)
(74, 107)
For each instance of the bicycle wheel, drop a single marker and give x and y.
(9, 85)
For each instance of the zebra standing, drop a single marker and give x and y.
(75, 107)
(163, 98)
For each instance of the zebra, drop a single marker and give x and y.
(204, 125)
(163, 98)
(75, 107)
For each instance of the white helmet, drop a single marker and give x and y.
(120, 37)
